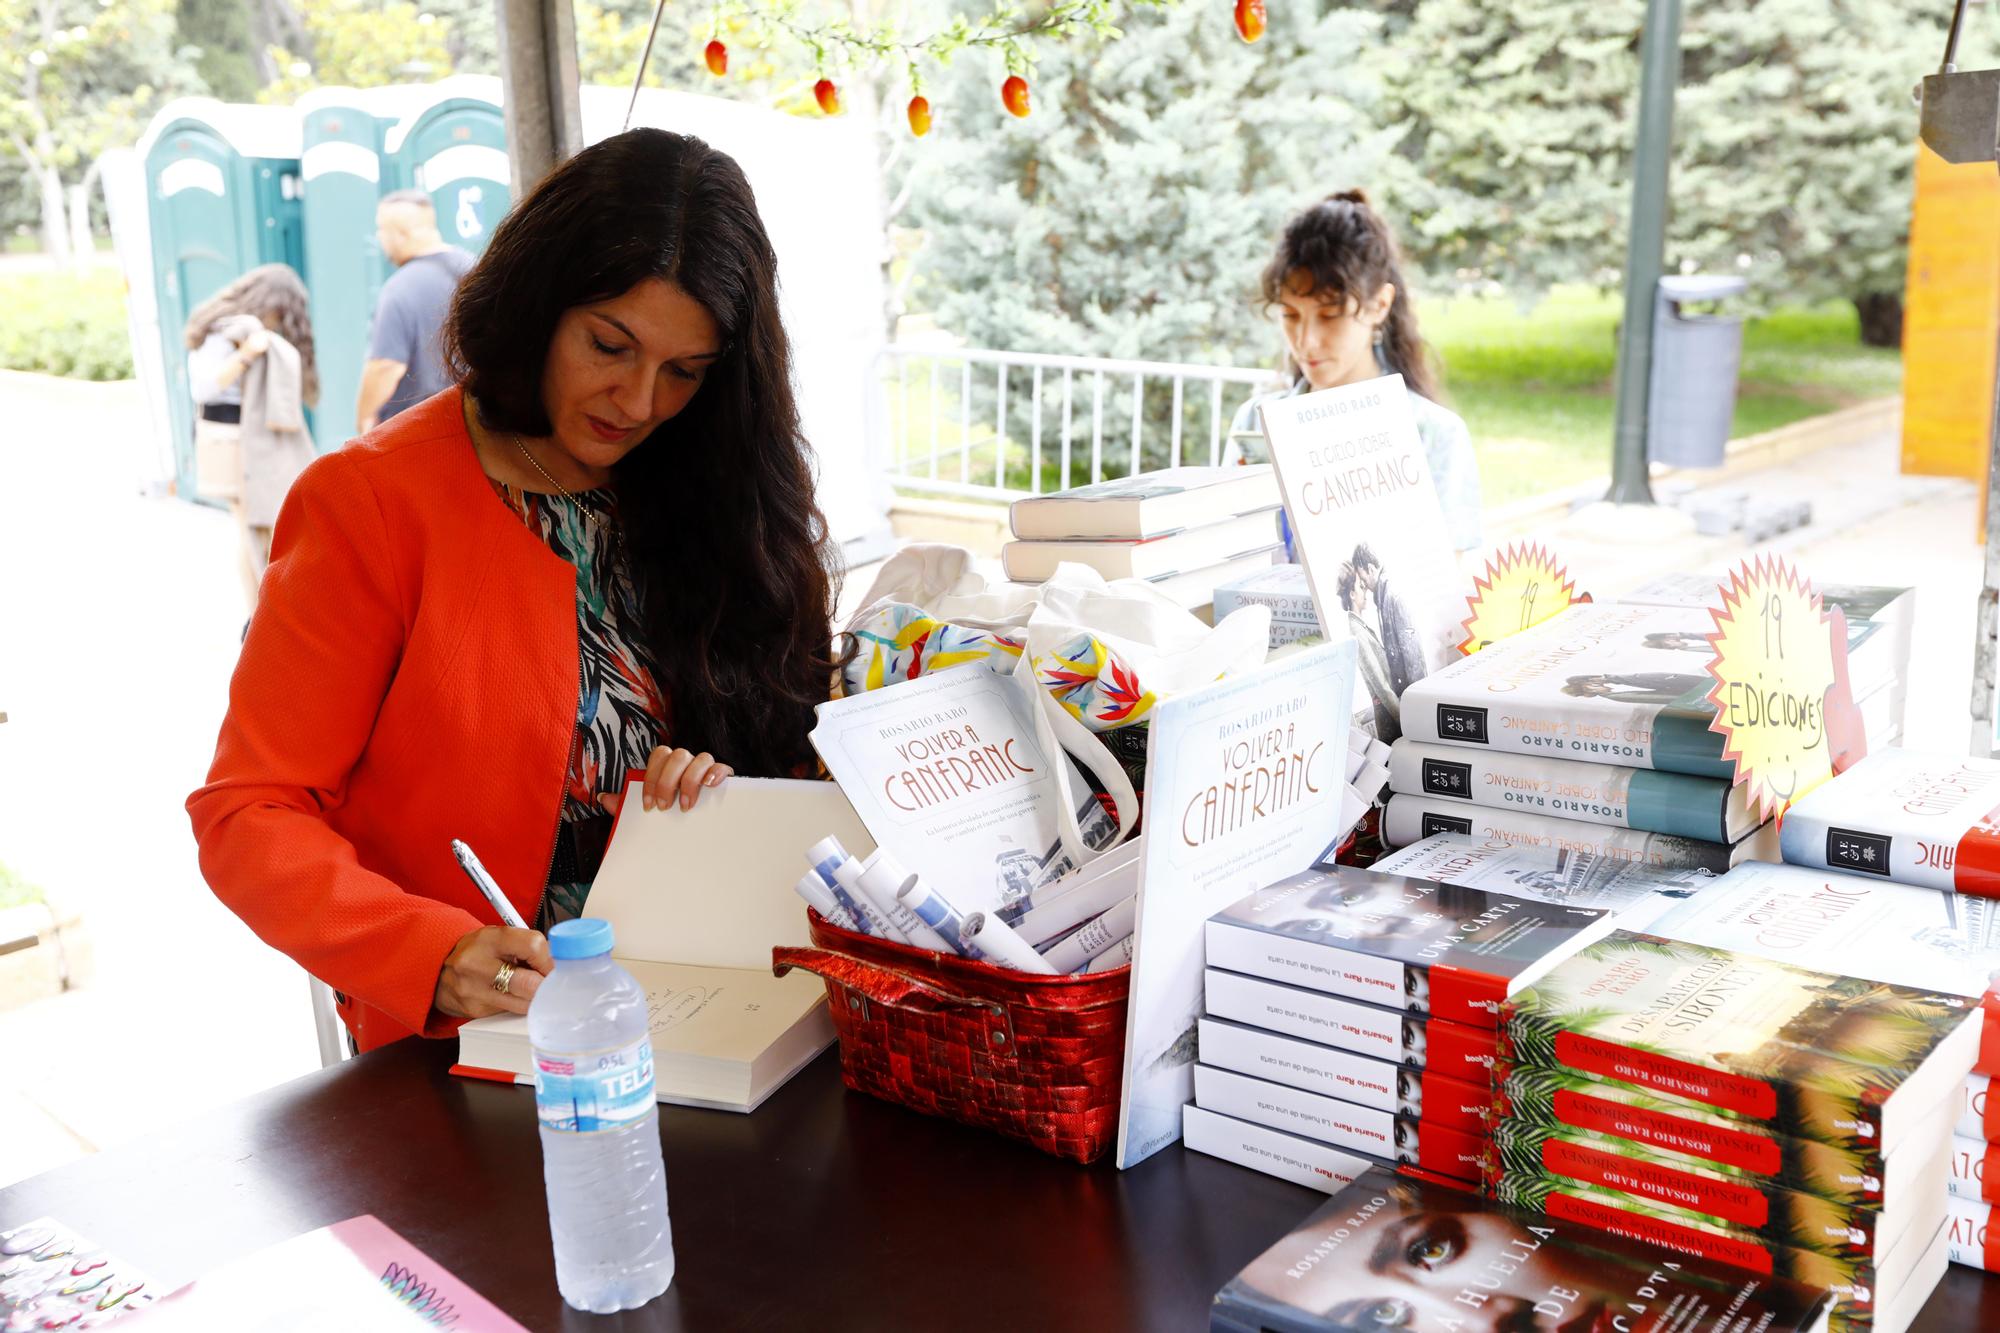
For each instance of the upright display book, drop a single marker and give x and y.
(1408, 819)
(1809, 1054)
(1367, 526)
(1858, 925)
(1456, 1050)
(1601, 682)
(725, 1038)
(1551, 874)
(1709, 809)
(946, 772)
(1147, 505)
(1906, 815)
(1244, 780)
(1434, 949)
(1392, 1252)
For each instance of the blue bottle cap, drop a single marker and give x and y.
(585, 937)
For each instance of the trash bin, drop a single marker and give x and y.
(223, 196)
(1696, 356)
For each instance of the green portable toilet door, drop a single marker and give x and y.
(196, 252)
(459, 152)
(341, 166)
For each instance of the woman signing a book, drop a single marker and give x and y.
(598, 552)
(1336, 285)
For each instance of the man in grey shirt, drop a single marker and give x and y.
(404, 364)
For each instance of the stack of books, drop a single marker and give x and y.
(1586, 733)
(1186, 530)
(1725, 1105)
(1969, 1210)
(1881, 624)
(1350, 1019)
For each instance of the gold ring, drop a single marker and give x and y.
(504, 978)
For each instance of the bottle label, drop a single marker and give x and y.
(583, 1094)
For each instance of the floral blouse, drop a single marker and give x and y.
(621, 713)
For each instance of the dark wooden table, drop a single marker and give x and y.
(824, 1210)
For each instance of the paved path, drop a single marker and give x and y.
(122, 617)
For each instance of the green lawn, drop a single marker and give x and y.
(1535, 386)
(64, 323)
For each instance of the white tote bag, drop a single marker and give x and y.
(1166, 647)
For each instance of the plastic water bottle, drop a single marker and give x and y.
(600, 1125)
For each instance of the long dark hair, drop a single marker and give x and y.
(273, 294)
(717, 504)
(1348, 252)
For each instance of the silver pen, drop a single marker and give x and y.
(484, 883)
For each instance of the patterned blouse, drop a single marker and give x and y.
(621, 713)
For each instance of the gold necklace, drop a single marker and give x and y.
(616, 530)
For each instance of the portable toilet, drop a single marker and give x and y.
(453, 145)
(344, 173)
(223, 196)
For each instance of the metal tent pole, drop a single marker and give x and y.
(1646, 246)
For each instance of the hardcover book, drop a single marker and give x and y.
(1974, 1173)
(1974, 1241)
(1528, 1151)
(1391, 1252)
(1147, 505)
(1397, 1138)
(1148, 557)
(1809, 1054)
(1348, 1075)
(1410, 819)
(1367, 526)
(1548, 874)
(1848, 1173)
(1709, 809)
(1978, 1114)
(1455, 1050)
(946, 772)
(1918, 818)
(1601, 682)
(1434, 949)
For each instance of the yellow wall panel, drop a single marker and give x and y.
(1951, 317)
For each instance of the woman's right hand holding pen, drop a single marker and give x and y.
(465, 982)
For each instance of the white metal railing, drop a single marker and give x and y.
(934, 438)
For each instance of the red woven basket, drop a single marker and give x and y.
(1036, 1058)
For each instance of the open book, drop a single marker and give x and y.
(697, 899)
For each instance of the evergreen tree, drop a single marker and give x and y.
(221, 31)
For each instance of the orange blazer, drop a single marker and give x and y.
(410, 677)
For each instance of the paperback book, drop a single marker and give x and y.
(1410, 819)
(1364, 1080)
(1397, 1138)
(1455, 1050)
(1410, 1249)
(1918, 818)
(946, 772)
(1438, 950)
(1150, 504)
(1367, 526)
(1600, 682)
(1809, 1054)
(1708, 809)
(1549, 874)
(1860, 1173)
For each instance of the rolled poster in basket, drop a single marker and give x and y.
(1244, 782)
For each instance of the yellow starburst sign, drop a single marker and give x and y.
(1782, 702)
(1523, 585)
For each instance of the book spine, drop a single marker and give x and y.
(1363, 1080)
(1852, 1278)
(1656, 802)
(1842, 1173)
(1849, 1116)
(1409, 819)
(1452, 1049)
(1970, 1237)
(1434, 709)
(1978, 1114)
(1772, 1211)
(1987, 1062)
(1290, 1157)
(1975, 1170)
(1342, 1124)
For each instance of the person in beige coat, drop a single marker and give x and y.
(251, 374)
